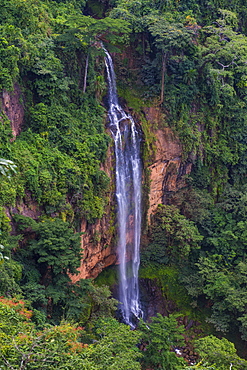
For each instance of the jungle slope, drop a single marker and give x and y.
(181, 70)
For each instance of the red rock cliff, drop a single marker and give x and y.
(166, 176)
(167, 172)
(98, 246)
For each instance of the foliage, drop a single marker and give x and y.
(106, 29)
(9, 68)
(52, 253)
(225, 288)
(171, 37)
(60, 347)
(55, 97)
(102, 303)
(116, 347)
(10, 269)
(23, 346)
(201, 366)
(52, 237)
(161, 336)
(205, 102)
(77, 174)
(7, 167)
(219, 272)
(172, 237)
(190, 58)
(10, 276)
(136, 11)
(219, 353)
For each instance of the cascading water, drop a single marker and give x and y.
(128, 193)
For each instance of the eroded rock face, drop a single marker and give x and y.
(166, 176)
(99, 249)
(167, 173)
(14, 110)
(167, 170)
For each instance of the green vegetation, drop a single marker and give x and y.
(188, 60)
(161, 335)
(219, 352)
(62, 346)
(194, 68)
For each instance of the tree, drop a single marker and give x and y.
(61, 347)
(25, 348)
(160, 337)
(219, 353)
(52, 253)
(200, 366)
(91, 33)
(116, 347)
(10, 270)
(172, 38)
(102, 303)
(224, 51)
(173, 236)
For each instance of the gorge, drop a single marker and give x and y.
(146, 179)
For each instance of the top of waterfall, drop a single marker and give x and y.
(113, 99)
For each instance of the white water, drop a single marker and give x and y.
(128, 193)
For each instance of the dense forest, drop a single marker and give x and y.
(188, 60)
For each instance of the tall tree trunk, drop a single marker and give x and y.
(85, 75)
(163, 71)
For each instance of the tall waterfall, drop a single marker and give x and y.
(128, 194)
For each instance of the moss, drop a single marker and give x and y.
(133, 101)
(132, 98)
(4, 223)
(167, 278)
(149, 147)
(108, 276)
(96, 237)
(67, 213)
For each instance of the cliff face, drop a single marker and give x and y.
(167, 173)
(166, 176)
(99, 250)
(167, 170)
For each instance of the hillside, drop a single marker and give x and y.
(181, 72)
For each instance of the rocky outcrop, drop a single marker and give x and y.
(153, 299)
(99, 250)
(14, 110)
(167, 170)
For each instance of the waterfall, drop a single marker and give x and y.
(128, 194)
